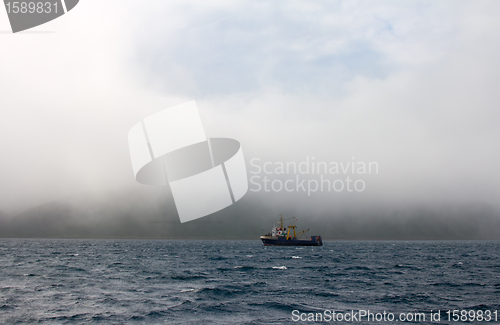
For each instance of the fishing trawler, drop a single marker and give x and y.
(280, 236)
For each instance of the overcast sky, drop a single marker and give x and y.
(412, 85)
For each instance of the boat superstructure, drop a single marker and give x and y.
(282, 236)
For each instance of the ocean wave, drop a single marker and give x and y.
(187, 277)
(148, 281)
(491, 307)
(218, 291)
(280, 267)
(244, 268)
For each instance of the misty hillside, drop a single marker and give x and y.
(153, 215)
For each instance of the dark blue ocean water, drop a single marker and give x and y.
(238, 282)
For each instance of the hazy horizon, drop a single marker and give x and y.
(411, 86)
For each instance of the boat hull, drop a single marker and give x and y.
(282, 241)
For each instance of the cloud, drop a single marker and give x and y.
(411, 85)
(216, 50)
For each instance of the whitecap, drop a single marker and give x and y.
(280, 267)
